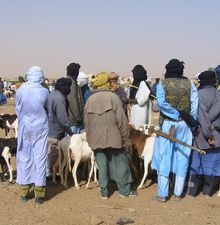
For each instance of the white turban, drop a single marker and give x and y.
(197, 76)
(82, 79)
(35, 75)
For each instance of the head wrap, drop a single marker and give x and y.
(35, 75)
(101, 81)
(63, 85)
(207, 78)
(197, 76)
(139, 74)
(113, 75)
(174, 69)
(73, 70)
(82, 79)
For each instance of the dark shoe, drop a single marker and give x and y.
(207, 196)
(159, 199)
(23, 198)
(131, 194)
(49, 182)
(104, 196)
(39, 200)
(177, 198)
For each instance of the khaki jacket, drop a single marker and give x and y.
(105, 121)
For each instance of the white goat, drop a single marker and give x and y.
(75, 148)
(7, 157)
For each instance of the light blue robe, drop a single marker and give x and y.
(168, 156)
(32, 102)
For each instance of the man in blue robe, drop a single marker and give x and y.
(32, 103)
(175, 94)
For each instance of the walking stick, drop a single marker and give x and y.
(170, 137)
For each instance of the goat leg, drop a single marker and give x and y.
(91, 171)
(74, 170)
(7, 156)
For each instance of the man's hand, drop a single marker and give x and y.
(211, 141)
(127, 145)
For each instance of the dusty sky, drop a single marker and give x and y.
(108, 35)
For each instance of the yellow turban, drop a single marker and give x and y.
(101, 81)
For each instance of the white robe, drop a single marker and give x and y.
(141, 112)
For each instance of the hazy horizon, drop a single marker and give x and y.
(108, 35)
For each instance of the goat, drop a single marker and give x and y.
(8, 147)
(7, 122)
(75, 148)
(144, 144)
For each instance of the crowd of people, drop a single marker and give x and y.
(190, 113)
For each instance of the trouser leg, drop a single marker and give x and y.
(39, 191)
(101, 160)
(194, 184)
(25, 190)
(124, 189)
(179, 185)
(119, 170)
(163, 186)
(209, 183)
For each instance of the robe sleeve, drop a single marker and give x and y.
(194, 99)
(142, 94)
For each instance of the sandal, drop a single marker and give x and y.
(159, 199)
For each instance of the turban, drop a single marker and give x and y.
(139, 73)
(207, 78)
(63, 85)
(73, 70)
(35, 75)
(82, 79)
(101, 80)
(113, 75)
(174, 69)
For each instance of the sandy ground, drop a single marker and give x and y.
(76, 207)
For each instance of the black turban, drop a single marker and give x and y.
(73, 70)
(139, 74)
(174, 69)
(207, 78)
(63, 85)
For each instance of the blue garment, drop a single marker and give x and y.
(3, 99)
(163, 186)
(77, 129)
(208, 164)
(86, 92)
(169, 156)
(32, 104)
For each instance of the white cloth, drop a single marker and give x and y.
(82, 79)
(140, 112)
